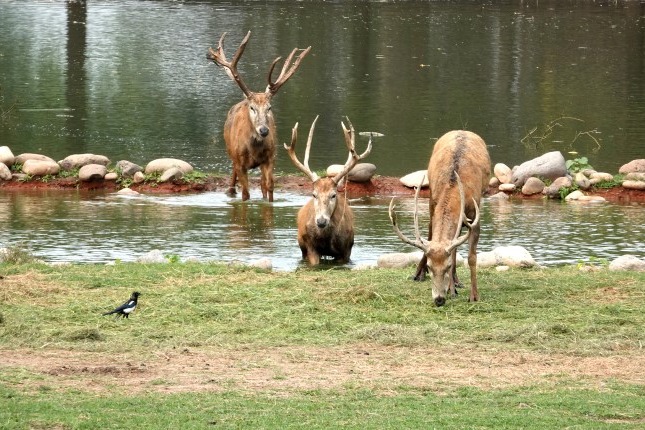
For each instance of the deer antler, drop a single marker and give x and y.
(291, 149)
(353, 158)
(219, 58)
(288, 70)
(418, 242)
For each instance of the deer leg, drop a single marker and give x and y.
(422, 269)
(266, 182)
(231, 190)
(472, 262)
(454, 282)
(312, 256)
(244, 183)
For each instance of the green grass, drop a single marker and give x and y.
(204, 307)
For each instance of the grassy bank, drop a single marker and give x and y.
(224, 347)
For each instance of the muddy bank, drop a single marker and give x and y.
(379, 186)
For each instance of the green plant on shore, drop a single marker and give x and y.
(615, 182)
(16, 167)
(47, 178)
(565, 191)
(194, 177)
(72, 173)
(124, 182)
(577, 165)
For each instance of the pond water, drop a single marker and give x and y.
(129, 80)
(101, 228)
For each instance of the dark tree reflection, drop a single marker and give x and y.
(76, 78)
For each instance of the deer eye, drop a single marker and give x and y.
(252, 109)
(333, 196)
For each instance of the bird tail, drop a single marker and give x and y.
(108, 313)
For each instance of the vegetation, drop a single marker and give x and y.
(577, 165)
(230, 347)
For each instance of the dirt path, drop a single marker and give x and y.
(286, 370)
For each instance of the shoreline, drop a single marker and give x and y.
(378, 186)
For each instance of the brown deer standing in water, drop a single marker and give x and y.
(249, 130)
(458, 173)
(326, 222)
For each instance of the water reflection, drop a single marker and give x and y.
(62, 226)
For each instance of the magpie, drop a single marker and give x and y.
(127, 308)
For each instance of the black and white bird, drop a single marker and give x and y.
(127, 308)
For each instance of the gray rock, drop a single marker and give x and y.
(634, 185)
(128, 192)
(262, 263)
(592, 199)
(494, 182)
(582, 181)
(597, 177)
(399, 259)
(532, 186)
(76, 161)
(501, 196)
(628, 262)
(138, 177)
(92, 172)
(411, 180)
(550, 166)
(553, 190)
(6, 156)
(634, 166)
(111, 176)
(362, 172)
(127, 168)
(485, 259)
(5, 173)
(170, 175)
(635, 177)
(40, 168)
(513, 256)
(507, 187)
(154, 256)
(503, 173)
(20, 159)
(574, 195)
(160, 165)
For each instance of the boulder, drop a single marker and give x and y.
(513, 256)
(111, 176)
(411, 180)
(582, 181)
(170, 175)
(92, 172)
(399, 259)
(634, 185)
(127, 192)
(503, 173)
(501, 196)
(592, 199)
(574, 195)
(634, 166)
(507, 187)
(138, 177)
(362, 172)
(494, 182)
(76, 161)
(628, 262)
(262, 263)
(127, 168)
(154, 256)
(6, 156)
(160, 165)
(532, 186)
(20, 159)
(553, 190)
(550, 166)
(597, 177)
(635, 176)
(40, 168)
(5, 172)
(485, 259)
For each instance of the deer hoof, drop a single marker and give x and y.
(231, 192)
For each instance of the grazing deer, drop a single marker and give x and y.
(249, 130)
(458, 173)
(326, 222)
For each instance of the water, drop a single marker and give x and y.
(101, 228)
(129, 80)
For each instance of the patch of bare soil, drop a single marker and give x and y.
(285, 370)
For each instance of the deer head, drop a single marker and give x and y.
(325, 192)
(438, 251)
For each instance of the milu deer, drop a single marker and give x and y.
(249, 130)
(458, 173)
(326, 222)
